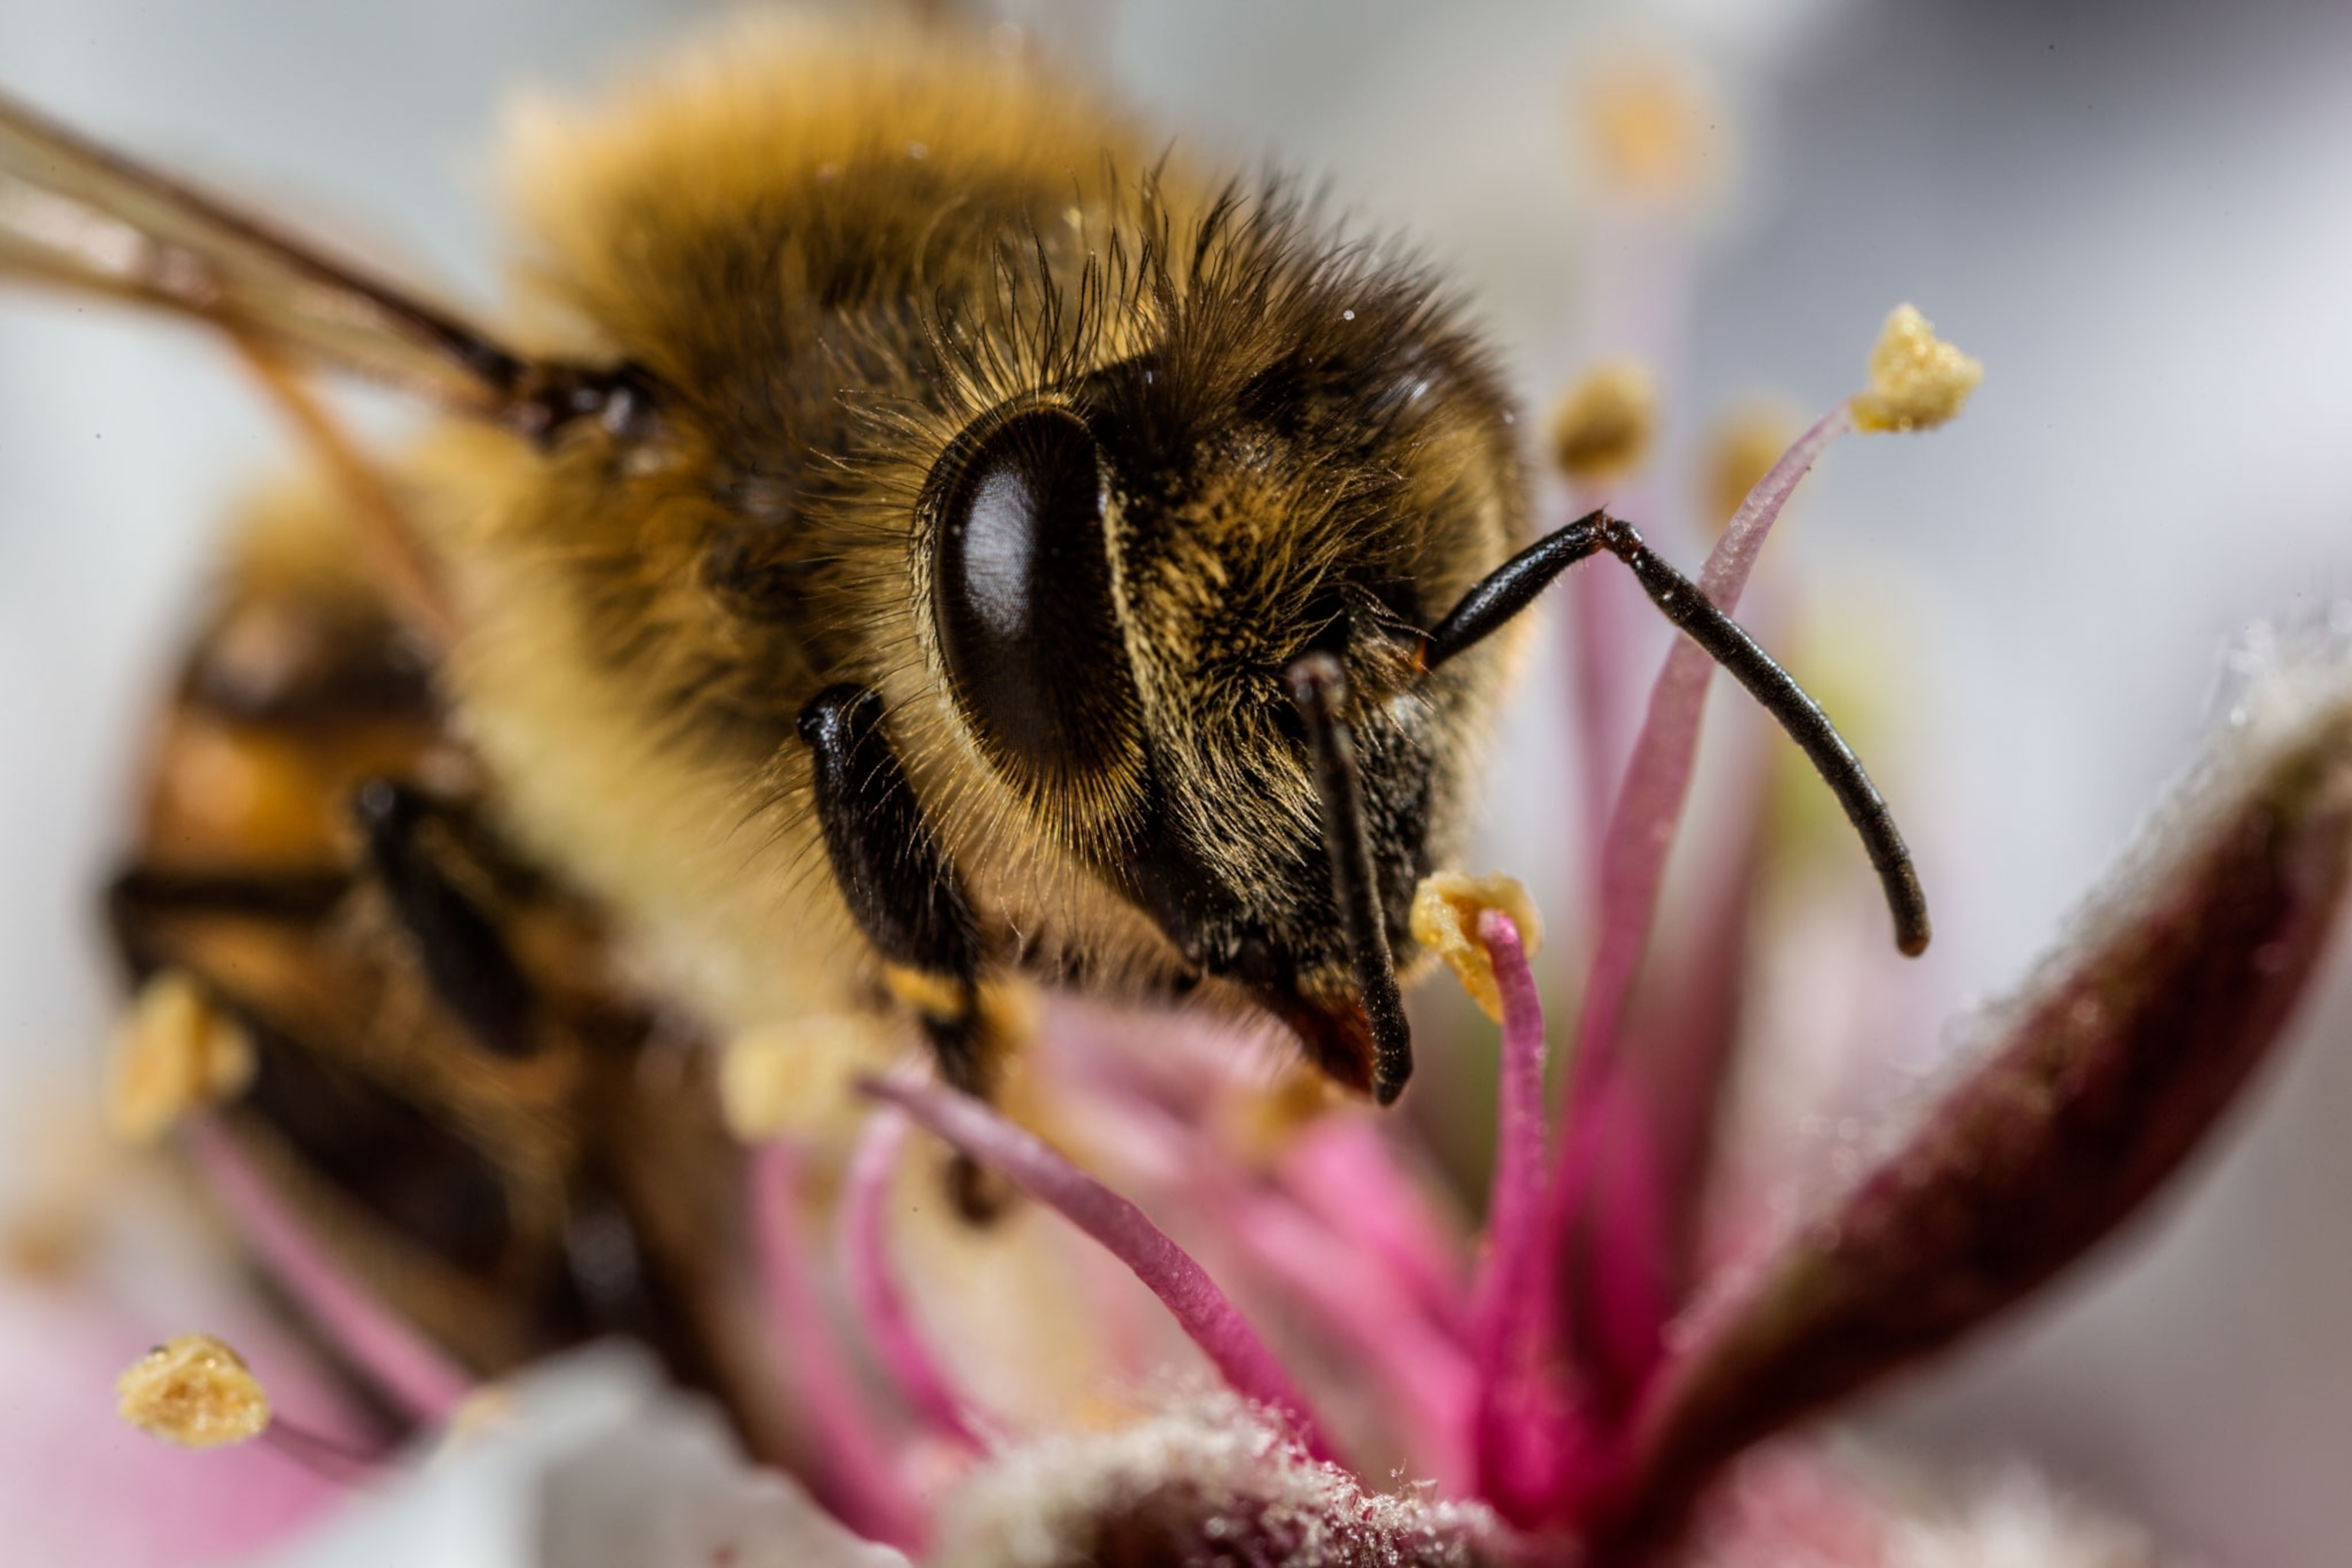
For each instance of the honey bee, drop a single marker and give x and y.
(931, 542)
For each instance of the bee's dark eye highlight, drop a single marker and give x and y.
(1020, 586)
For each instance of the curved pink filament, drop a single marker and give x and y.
(853, 1476)
(874, 1290)
(413, 1372)
(1633, 859)
(1170, 1273)
(1657, 777)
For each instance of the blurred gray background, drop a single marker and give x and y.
(2134, 213)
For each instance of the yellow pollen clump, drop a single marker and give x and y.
(175, 1053)
(797, 1077)
(1917, 381)
(1606, 422)
(1445, 909)
(195, 1392)
(1742, 449)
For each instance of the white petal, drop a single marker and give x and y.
(593, 1462)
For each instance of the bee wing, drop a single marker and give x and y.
(74, 214)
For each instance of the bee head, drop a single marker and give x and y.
(1304, 457)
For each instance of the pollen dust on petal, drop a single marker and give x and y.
(1445, 909)
(1917, 381)
(194, 1391)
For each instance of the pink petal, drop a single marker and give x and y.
(2101, 1080)
(79, 1486)
(1167, 1269)
(874, 1287)
(1342, 1170)
(1427, 1382)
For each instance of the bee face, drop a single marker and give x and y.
(1302, 455)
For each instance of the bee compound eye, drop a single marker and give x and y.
(1022, 594)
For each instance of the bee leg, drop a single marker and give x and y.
(465, 958)
(896, 876)
(904, 893)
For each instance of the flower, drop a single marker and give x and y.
(1577, 1384)
(1570, 1389)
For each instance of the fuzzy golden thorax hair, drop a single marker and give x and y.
(872, 280)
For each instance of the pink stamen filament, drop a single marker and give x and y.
(1525, 1432)
(408, 1368)
(1607, 619)
(1687, 1053)
(1343, 1288)
(1199, 1306)
(1641, 833)
(1658, 778)
(1359, 1283)
(853, 1475)
(329, 1459)
(1515, 1202)
(898, 1344)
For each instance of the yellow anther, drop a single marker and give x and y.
(1917, 381)
(195, 1392)
(1646, 123)
(798, 1077)
(176, 1052)
(1606, 422)
(1445, 909)
(942, 999)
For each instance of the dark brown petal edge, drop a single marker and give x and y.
(2097, 1083)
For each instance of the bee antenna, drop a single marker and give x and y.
(1511, 587)
(1319, 687)
(1496, 598)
